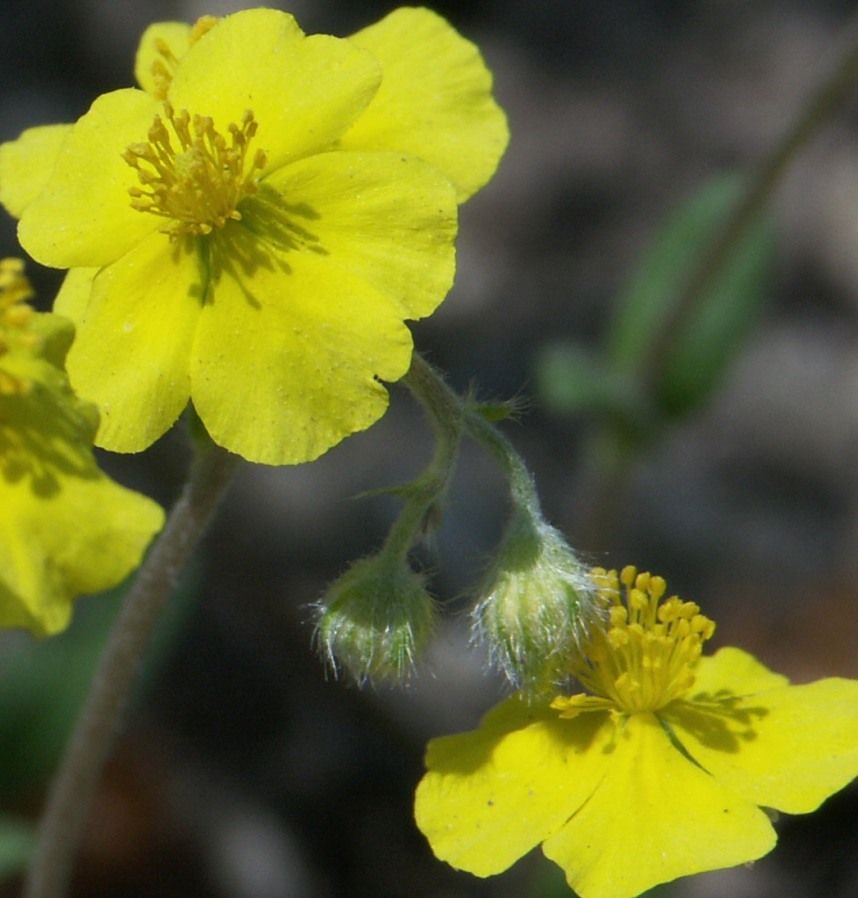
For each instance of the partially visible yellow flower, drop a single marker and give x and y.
(662, 771)
(65, 528)
(251, 229)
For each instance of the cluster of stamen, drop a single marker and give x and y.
(15, 317)
(191, 174)
(644, 656)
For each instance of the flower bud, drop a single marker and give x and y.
(375, 619)
(538, 602)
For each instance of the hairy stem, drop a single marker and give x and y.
(453, 414)
(426, 494)
(69, 801)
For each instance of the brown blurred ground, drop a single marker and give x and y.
(247, 773)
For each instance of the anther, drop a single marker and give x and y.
(198, 182)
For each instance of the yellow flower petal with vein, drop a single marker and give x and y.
(381, 218)
(303, 91)
(655, 816)
(135, 353)
(74, 294)
(324, 307)
(435, 101)
(83, 216)
(493, 794)
(786, 747)
(27, 163)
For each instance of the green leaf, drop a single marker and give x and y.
(573, 380)
(16, 842)
(692, 367)
(43, 684)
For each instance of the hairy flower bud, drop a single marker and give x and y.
(375, 619)
(537, 603)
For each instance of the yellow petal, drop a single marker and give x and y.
(383, 218)
(27, 163)
(303, 91)
(786, 747)
(83, 216)
(435, 101)
(133, 342)
(493, 794)
(654, 817)
(74, 294)
(307, 302)
(734, 669)
(283, 368)
(65, 528)
(175, 36)
(85, 537)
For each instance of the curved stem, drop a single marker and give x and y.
(70, 798)
(451, 414)
(425, 494)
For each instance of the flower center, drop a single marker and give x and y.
(191, 174)
(644, 657)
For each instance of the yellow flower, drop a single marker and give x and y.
(251, 229)
(663, 771)
(65, 528)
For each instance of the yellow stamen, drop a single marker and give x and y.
(201, 26)
(644, 658)
(164, 68)
(198, 184)
(15, 317)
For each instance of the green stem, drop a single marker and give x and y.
(426, 493)
(453, 414)
(69, 801)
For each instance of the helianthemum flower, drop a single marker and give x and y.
(65, 528)
(251, 229)
(661, 771)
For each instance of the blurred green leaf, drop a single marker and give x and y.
(43, 684)
(693, 365)
(573, 379)
(549, 882)
(16, 842)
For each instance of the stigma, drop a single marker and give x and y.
(191, 174)
(643, 658)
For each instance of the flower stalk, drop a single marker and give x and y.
(537, 600)
(376, 617)
(452, 416)
(70, 797)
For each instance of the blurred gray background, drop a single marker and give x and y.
(246, 771)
